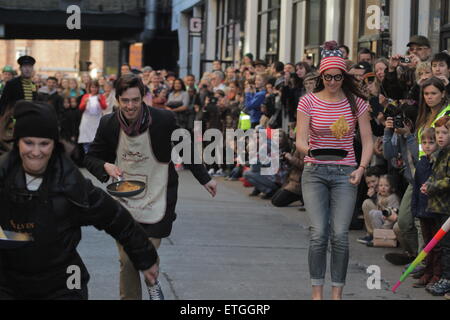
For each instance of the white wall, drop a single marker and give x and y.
(211, 32)
(179, 6)
(400, 25)
(424, 17)
(251, 27)
(350, 25)
(183, 38)
(196, 56)
(300, 35)
(333, 19)
(286, 30)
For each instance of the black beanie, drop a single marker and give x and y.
(34, 119)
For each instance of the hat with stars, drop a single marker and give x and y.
(332, 58)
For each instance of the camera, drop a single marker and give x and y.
(397, 114)
(399, 121)
(389, 211)
(405, 60)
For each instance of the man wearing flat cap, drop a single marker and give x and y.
(19, 88)
(421, 47)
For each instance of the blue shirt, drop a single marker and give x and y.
(253, 102)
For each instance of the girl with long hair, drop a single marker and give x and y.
(327, 118)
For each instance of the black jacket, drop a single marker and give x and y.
(53, 216)
(290, 97)
(104, 147)
(55, 100)
(70, 123)
(12, 93)
(419, 202)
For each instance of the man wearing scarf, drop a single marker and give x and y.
(135, 143)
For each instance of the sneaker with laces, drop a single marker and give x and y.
(365, 240)
(219, 173)
(440, 288)
(155, 291)
(432, 282)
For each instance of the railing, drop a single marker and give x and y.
(86, 6)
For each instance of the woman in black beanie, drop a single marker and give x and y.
(46, 197)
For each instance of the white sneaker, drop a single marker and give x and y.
(155, 291)
(219, 173)
(211, 171)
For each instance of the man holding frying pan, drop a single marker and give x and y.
(134, 144)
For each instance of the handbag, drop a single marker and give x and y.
(385, 238)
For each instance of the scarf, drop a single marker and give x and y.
(139, 126)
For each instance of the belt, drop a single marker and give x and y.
(310, 164)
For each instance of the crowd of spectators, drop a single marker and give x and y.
(406, 187)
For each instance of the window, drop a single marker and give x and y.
(315, 28)
(414, 17)
(230, 30)
(297, 29)
(315, 14)
(378, 41)
(446, 12)
(445, 25)
(268, 29)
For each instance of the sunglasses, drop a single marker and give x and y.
(337, 77)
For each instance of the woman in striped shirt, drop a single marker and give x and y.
(330, 187)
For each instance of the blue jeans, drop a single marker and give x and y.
(262, 183)
(329, 200)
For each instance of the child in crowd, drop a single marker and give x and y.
(254, 98)
(372, 176)
(388, 202)
(428, 222)
(70, 122)
(437, 188)
(440, 67)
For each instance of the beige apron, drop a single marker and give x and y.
(136, 159)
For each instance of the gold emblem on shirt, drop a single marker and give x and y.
(340, 128)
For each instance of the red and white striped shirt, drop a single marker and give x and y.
(323, 115)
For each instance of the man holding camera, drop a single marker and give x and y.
(420, 46)
(401, 151)
(402, 67)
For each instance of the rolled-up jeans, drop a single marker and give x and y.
(329, 199)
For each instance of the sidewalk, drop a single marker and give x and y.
(236, 247)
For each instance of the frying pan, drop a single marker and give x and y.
(112, 188)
